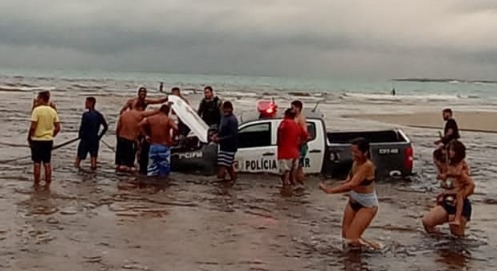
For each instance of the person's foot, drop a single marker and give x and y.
(93, 168)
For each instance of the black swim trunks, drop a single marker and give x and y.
(41, 151)
(451, 208)
(125, 152)
(88, 146)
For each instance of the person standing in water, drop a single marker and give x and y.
(210, 108)
(88, 133)
(45, 125)
(451, 133)
(448, 208)
(228, 143)
(290, 135)
(360, 186)
(158, 135)
(141, 102)
(298, 107)
(127, 133)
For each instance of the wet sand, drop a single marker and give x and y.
(105, 221)
(467, 121)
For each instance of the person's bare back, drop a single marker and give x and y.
(160, 129)
(127, 126)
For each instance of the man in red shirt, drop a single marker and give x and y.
(290, 137)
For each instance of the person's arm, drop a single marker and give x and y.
(33, 125)
(105, 125)
(201, 108)
(141, 126)
(147, 114)
(128, 105)
(82, 126)
(56, 125)
(156, 101)
(232, 129)
(119, 126)
(173, 125)
(356, 180)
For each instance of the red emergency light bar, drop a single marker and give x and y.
(267, 109)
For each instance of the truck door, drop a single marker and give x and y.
(314, 159)
(257, 151)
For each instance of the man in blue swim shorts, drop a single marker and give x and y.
(159, 135)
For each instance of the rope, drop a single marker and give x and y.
(53, 148)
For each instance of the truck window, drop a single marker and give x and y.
(257, 135)
(311, 129)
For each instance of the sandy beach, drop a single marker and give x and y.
(470, 121)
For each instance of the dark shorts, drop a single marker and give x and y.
(451, 209)
(41, 151)
(88, 146)
(125, 152)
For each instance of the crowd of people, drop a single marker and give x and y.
(147, 136)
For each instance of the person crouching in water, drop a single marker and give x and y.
(290, 135)
(158, 135)
(228, 143)
(363, 201)
(88, 133)
(453, 180)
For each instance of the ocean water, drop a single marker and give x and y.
(249, 226)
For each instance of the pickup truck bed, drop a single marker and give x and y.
(391, 151)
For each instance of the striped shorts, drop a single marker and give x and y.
(225, 159)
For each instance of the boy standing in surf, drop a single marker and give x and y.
(45, 125)
(88, 133)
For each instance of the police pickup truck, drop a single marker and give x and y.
(329, 152)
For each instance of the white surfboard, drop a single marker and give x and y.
(188, 116)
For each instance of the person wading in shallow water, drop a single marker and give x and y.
(455, 195)
(127, 134)
(451, 133)
(159, 136)
(141, 103)
(297, 106)
(363, 201)
(45, 125)
(228, 143)
(88, 133)
(290, 135)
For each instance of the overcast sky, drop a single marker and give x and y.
(353, 38)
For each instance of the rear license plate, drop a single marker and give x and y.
(388, 151)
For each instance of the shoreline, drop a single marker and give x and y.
(468, 121)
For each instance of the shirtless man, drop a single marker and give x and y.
(127, 132)
(141, 102)
(297, 106)
(158, 135)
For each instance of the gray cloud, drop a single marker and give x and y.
(356, 38)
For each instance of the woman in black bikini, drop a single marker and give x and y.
(363, 202)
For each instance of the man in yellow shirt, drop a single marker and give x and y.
(45, 125)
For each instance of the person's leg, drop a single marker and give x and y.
(46, 159)
(221, 173)
(81, 153)
(232, 174)
(94, 154)
(348, 217)
(458, 230)
(436, 216)
(459, 208)
(359, 224)
(36, 173)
